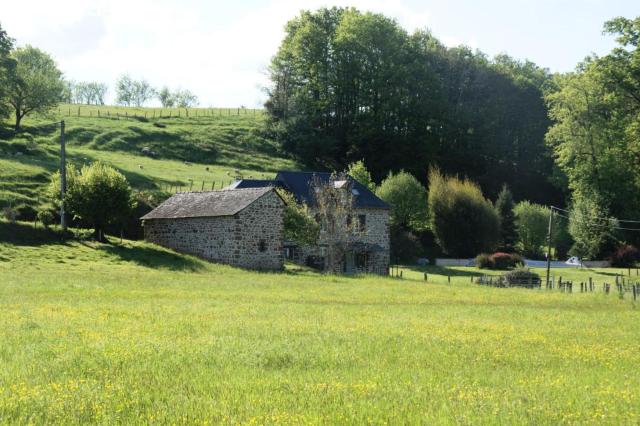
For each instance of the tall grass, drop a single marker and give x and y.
(132, 333)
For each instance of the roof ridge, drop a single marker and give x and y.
(222, 190)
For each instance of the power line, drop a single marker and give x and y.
(602, 225)
(599, 218)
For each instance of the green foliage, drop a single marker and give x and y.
(347, 85)
(178, 98)
(562, 240)
(130, 92)
(463, 221)
(97, 195)
(86, 92)
(590, 228)
(596, 133)
(522, 277)
(299, 224)
(407, 198)
(359, 172)
(7, 65)
(405, 245)
(532, 225)
(35, 85)
(46, 215)
(504, 207)
(499, 260)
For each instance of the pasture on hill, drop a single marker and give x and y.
(209, 147)
(131, 332)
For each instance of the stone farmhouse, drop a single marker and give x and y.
(241, 227)
(368, 249)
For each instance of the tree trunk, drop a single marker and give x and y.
(18, 120)
(98, 235)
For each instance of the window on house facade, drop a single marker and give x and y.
(262, 245)
(362, 223)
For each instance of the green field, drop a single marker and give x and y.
(132, 333)
(209, 148)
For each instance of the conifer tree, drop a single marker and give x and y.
(504, 206)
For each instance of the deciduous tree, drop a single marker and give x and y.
(35, 85)
(97, 195)
(407, 198)
(462, 220)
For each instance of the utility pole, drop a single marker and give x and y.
(63, 176)
(549, 245)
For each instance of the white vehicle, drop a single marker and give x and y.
(574, 261)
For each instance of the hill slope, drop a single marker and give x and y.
(199, 151)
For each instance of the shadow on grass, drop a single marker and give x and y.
(444, 270)
(153, 257)
(24, 234)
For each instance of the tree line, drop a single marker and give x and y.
(348, 86)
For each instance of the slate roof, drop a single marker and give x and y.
(299, 184)
(254, 183)
(206, 204)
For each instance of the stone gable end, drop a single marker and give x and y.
(252, 238)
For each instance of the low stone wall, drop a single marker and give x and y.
(596, 264)
(455, 262)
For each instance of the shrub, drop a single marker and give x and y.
(98, 195)
(521, 278)
(532, 226)
(504, 206)
(499, 260)
(10, 214)
(506, 261)
(625, 256)
(463, 221)
(405, 246)
(299, 225)
(359, 172)
(46, 216)
(407, 198)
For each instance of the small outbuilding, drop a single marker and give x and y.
(239, 227)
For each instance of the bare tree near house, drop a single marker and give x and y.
(334, 210)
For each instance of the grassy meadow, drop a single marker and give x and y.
(133, 333)
(209, 147)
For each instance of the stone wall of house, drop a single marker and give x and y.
(252, 238)
(376, 233)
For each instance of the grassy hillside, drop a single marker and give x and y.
(132, 333)
(210, 145)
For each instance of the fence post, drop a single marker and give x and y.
(425, 277)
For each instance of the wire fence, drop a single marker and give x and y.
(622, 285)
(118, 113)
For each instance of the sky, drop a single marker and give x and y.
(220, 50)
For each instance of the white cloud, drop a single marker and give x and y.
(215, 50)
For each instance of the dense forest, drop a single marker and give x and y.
(348, 86)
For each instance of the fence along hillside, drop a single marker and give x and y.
(137, 113)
